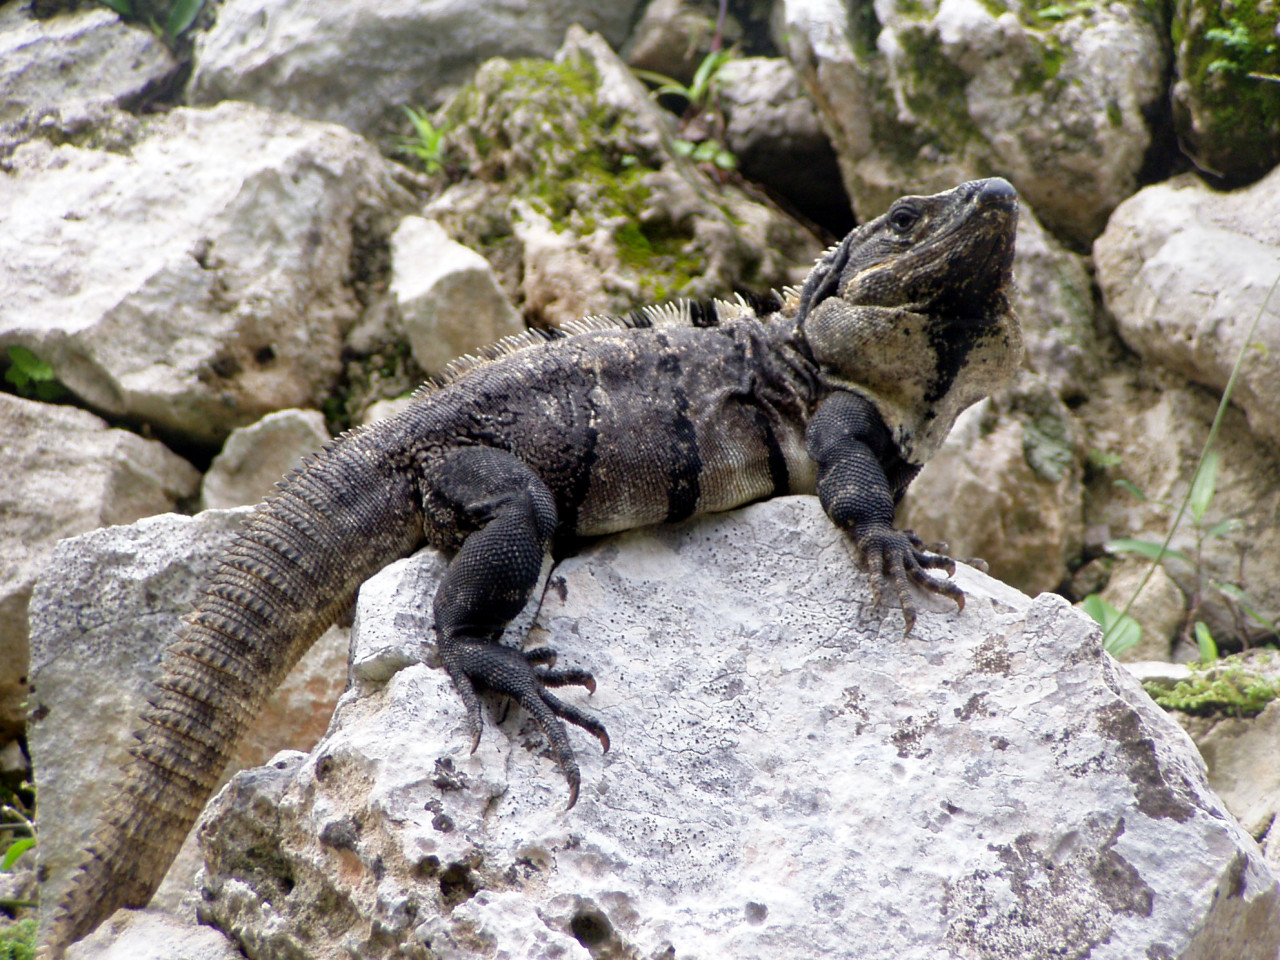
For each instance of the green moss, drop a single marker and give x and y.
(539, 128)
(935, 89)
(1046, 445)
(1035, 74)
(1224, 688)
(1229, 61)
(18, 940)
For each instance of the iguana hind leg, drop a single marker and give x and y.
(511, 516)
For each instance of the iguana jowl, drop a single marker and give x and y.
(846, 392)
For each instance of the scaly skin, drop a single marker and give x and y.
(674, 412)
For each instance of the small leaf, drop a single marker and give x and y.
(181, 16)
(16, 849)
(682, 148)
(1204, 640)
(30, 364)
(122, 7)
(1223, 527)
(18, 377)
(1131, 489)
(1144, 548)
(705, 152)
(1202, 486)
(1120, 632)
(725, 160)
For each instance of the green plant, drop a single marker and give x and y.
(701, 130)
(708, 151)
(1224, 688)
(701, 89)
(168, 18)
(427, 142)
(1198, 499)
(31, 376)
(18, 940)
(1120, 632)
(1244, 51)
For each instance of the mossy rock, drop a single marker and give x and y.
(1227, 97)
(573, 150)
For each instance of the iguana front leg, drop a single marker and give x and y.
(512, 517)
(849, 442)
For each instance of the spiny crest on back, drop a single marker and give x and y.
(677, 313)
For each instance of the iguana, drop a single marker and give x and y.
(845, 390)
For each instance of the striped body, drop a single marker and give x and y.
(635, 426)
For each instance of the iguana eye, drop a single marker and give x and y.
(903, 218)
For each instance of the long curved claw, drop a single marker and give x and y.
(900, 557)
(467, 691)
(511, 672)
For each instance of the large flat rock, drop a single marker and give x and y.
(790, 777)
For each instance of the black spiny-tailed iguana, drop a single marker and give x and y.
(846, 391)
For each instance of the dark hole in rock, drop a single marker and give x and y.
(590, 928)
(456, 885)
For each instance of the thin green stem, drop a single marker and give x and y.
(1204, 452)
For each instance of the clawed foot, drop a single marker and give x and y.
(510, 672)
(901, 558)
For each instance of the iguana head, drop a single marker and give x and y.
(912, 309)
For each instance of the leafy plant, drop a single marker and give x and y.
(18, 940)
(1244, 51)
(708, 151)
(1224, 688)
(701, 131)
(701, 89)
(1197, 500)
(169, 18)
(427, 142)
(1120, 632)
(31, 376)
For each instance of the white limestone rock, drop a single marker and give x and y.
(256, 456)
(1244, 769)
(202, 279)
(448, 295)
(65, 472)
(102, 613)
(65, 73)
(1006, 487)
(358, 65)
(1185, 270)
(153, 935)
(790, 776)
(924, 95)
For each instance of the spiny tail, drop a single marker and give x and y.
(289, 575)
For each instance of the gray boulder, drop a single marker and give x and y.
(65, 472)
(64, 76)
(1186, 270)
(201, 279)
(256, 456)
(790, 776)
(924, 95)
(358, 65)
(449, 299)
